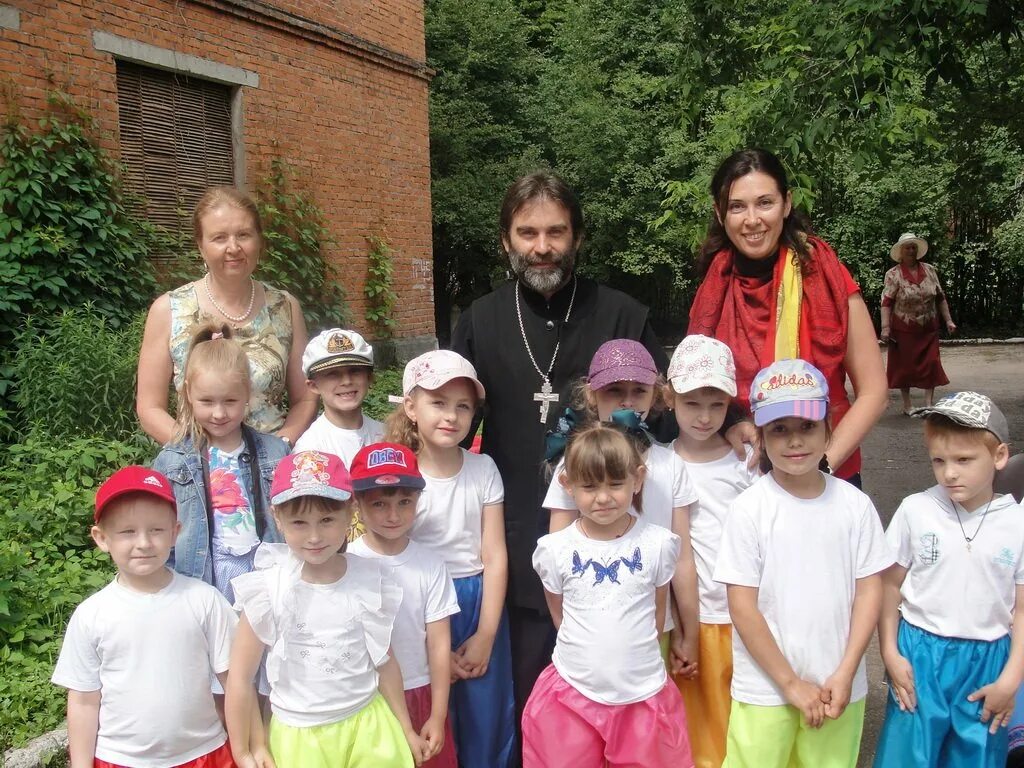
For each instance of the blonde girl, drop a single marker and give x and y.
(606, 698)
(219, 467)
(324, 619)
(623, 385)
(460, 516)
(801, 554)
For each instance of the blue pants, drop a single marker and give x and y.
(482, 710)
(946, 730)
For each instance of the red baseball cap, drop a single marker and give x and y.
(386, 465)
(310, 473)
(133, 479)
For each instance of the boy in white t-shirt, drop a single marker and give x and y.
(339, 367)
(701, 384)
(945, 632)
(386, 482)
(139, 654)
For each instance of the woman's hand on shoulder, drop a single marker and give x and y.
(739, 436)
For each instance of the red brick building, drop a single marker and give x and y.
(194, 92)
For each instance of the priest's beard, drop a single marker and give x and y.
(545, 281)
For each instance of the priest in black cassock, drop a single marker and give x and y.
(531, 339)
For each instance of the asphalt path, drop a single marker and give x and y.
(896, 465)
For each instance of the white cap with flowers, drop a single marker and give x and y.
(700, 361)
(434, 369)
(788, 388)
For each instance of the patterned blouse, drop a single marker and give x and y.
(913, 297)
(267, 340)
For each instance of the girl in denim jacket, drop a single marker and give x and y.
(220, 468)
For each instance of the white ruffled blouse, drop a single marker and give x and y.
(325, 641)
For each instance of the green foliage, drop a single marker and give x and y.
(48, 565)
(480, 137)
(380, 296)
(75, 377)
(66, 237)
(295, 234)
(888, 116)
(386, 382)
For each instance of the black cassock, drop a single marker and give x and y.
(488, 334)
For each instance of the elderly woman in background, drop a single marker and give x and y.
(771, 290)
(912, 299)
(267, 322)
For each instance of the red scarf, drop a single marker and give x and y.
(740, 311)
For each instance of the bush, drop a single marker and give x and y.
(76, 377)
(48, 565)
(66, 236)
(294, 230)
(386, 381)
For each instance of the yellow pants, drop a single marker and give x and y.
(707, 697)
(778, 737)
(371, 738)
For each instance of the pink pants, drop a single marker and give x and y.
(563, 727)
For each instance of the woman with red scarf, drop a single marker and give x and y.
(771, 290)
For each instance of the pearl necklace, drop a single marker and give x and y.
(219, 308)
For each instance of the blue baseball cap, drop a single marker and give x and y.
(788, 388)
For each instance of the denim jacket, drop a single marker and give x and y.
(181, 464)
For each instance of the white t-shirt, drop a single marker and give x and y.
(428, 595)
(151, 656)
(717, 483)
(449, 514)
(804, 556)
(949, 590)
(667, 486)
(607, 646)
(322, 435)
(325, 641)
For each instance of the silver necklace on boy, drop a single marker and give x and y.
(629, 524)
(547, 395)
(219, 308)
(981, 522)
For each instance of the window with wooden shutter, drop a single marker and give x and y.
(176, 142)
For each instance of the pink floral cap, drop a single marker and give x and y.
(621, 360)
(310, 473)
(434, 369)
(700, 361)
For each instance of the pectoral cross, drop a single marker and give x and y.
(545, 397)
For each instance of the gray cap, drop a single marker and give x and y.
(970, 409)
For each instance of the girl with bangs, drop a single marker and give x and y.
(606, 698)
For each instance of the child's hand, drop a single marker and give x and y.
(806, 697)
(997, 706)
(476, 655)
(258, 758)
(262, 759)
(901, 682)
(682, 655)
(432, 734)
(458, 667)
(835, 694)
(417, 746)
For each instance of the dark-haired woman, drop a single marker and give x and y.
(771, 290)
(268, 324)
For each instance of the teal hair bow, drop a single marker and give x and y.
(630, 422)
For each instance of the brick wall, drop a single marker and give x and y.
(342, 97)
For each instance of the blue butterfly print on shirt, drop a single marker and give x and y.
(633, 563)
(611, 571)
(578, 566)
